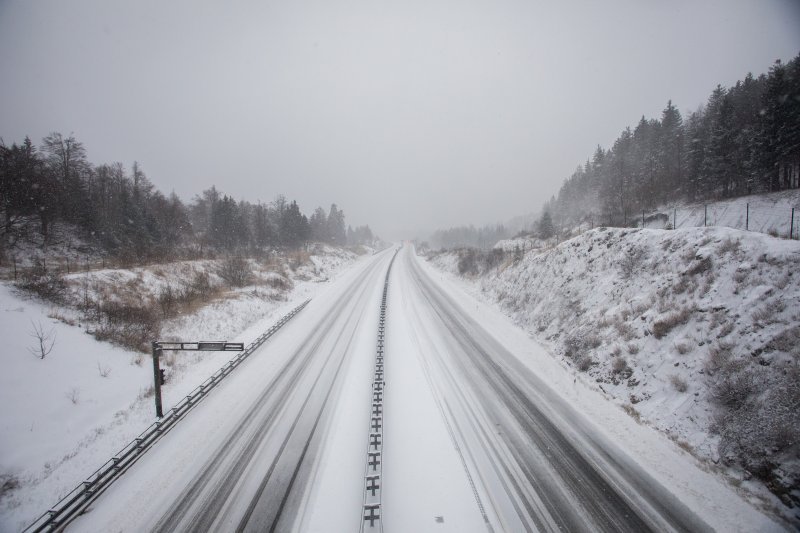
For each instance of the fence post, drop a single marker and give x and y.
(674, 218)
(705, 215)
(642, 218)
(791, 226)
(747, 219)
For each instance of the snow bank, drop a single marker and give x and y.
(662, 321)
(64, 415)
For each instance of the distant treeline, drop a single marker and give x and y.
(124, 214)
(469, 236)
(745, 140)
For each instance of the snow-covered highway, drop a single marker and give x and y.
(540, 464)
(476, 437)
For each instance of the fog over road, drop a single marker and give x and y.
(474, 440)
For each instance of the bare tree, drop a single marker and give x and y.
(45, 340)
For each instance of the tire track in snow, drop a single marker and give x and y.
(205, 503)
(560, 485)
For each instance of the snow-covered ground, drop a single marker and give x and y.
(654, 318)
(64, 415)
(435, 472)
(769, 213)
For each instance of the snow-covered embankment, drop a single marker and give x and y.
(694, 331)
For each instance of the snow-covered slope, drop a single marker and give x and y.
(765, 213)
(63, 416)
(695, 331)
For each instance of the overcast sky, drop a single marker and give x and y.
(409, 115)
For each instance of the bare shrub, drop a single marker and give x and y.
(476, 262)
(236, 271)
(167, 300)
(682, 347)
(729, 245)
(740, 276)
(8, 484)
(726, 329)
(578, 342)
(605, 321)
(663, 326)
(700, 266)
(708, 282)
(787, 341)
(782, 282)
(765, 315)
(618, 364)
(56, 315)
(129, 324)
(684, 284)
(736, 382)
(298, 259)
(584, 363)
(631, 262)
(47, 284)
(44, 340)
(467, 263)
(624, 329)
(201, 285)
(633, 348)
(759, 430)
(632, 412)
(684, 445)
(73, 395)
(678, 382)
(718, 357)
(279, 282)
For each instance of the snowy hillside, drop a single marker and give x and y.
(694, 331)
(764, 213)
(64, 415)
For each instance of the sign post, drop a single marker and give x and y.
(157, 377)
(203, 346)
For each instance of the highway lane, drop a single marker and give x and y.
(257, 454)
(254, 440)
(537, 464)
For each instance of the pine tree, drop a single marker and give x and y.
(671, 160)
(546, 229)
(719, 166)
(294, 228)
(336, 226)
(319, 225)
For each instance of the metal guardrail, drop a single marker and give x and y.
(81, 496)
(371, 517)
